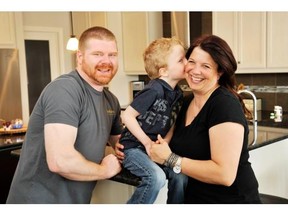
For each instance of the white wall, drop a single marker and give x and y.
(53, 19)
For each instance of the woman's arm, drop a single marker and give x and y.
(226, 141)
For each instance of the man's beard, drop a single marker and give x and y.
(101, 74)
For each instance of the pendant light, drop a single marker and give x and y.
(72, 43)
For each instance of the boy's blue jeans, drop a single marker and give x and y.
(153, 178)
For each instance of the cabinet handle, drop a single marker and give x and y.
(238, 62)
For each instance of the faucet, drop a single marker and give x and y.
(255, 120)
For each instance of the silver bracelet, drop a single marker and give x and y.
(171, 160)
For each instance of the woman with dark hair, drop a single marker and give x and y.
(210, 138)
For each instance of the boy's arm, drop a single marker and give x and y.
(168, 136)
(130, 121)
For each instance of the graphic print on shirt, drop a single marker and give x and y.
(157, 114)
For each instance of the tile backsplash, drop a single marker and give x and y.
(272, 88)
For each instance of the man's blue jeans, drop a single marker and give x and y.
(153, 178)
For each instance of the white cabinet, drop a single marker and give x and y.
(277, 41)
(259, 40)
(7, 29)
(85, 20)
(245, 32)
(138, 30)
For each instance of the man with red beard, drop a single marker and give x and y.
(62, 156)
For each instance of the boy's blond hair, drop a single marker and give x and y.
(156, 54)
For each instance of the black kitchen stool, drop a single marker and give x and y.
(270, 199)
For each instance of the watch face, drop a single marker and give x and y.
(177, 169)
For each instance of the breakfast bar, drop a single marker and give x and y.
(270, 133)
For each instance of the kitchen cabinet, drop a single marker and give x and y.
(267, 133)
(7, 29)
(277, 41)
(258, 40)
(138, 30)
(85, 20)
(245, 32)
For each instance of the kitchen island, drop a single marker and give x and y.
(271, 135)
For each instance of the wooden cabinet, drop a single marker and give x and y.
(138, 30)
(267, 133)
(259, 40)
(7, 29)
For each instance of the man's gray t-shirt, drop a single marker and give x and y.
(68, 100)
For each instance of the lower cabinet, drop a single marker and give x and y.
(8, 164)
(111, 192)
(270, 167)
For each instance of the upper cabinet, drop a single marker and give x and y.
(257, 39)
(85, 20)
(277, 41)
(138, 30)
(7, 29)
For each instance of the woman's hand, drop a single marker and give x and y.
(160, 151)
(119, 151)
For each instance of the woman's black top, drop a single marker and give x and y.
(192, 141)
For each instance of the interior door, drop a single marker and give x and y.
(38, 69)
(43, 59)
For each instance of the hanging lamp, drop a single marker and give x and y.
(72, 43)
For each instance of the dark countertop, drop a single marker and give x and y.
(265, 123)
(11, 142)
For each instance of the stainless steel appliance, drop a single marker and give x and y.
(10, 91)
(136, 86)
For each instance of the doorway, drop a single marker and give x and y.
(44, 61)
(38, 69)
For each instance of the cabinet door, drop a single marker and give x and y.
(251, 40)
(224, 25)
(7, 29)
(85, 20)
(245, 32)
(138, 30)
(277, 44)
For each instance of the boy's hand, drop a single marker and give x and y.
(119, 151)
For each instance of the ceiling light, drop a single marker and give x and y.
(72, 43)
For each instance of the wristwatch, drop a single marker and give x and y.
(177, 166)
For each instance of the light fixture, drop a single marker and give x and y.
(72, 43)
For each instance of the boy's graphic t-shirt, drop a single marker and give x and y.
(158, 105)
